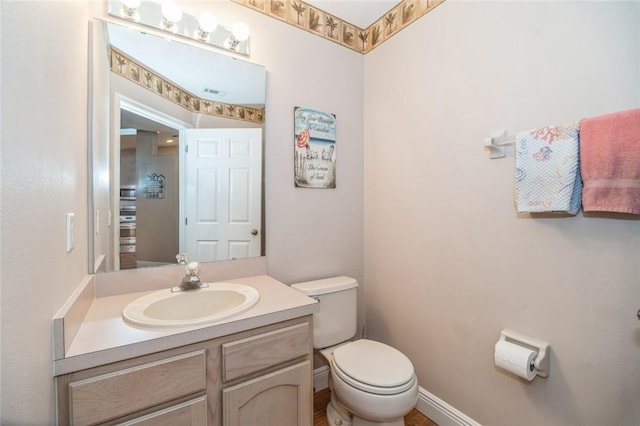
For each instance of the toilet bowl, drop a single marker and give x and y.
(371, 383)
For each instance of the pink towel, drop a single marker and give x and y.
(610, 162)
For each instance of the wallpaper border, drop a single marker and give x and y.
(311, 19)
(128, 68)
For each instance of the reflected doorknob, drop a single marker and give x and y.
(254, 231)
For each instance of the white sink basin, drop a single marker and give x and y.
(165, 309)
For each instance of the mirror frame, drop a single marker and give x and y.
(120, 100)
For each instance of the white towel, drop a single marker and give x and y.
(548, 170)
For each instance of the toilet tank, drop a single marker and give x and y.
(336, 321)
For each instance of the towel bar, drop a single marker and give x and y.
(496, 143)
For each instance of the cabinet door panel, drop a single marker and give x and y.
(190, 413)
(281, 398)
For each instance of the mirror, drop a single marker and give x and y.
(177, 166)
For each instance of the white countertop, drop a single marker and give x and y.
(104, 337)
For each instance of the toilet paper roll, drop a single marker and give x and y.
(515, 359)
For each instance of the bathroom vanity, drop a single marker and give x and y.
(252, 369)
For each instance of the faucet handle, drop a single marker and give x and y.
(192, 268)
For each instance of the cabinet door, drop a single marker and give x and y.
(281, 398)
(190, 413)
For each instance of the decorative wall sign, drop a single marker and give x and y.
(154, 186)
(314, 148)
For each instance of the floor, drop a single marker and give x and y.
(321, 399)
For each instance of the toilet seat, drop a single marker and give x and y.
(373, 367)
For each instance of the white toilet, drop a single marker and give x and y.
(371, 383)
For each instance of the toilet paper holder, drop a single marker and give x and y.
(541, 361)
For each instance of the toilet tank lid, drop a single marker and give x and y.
(325, 286)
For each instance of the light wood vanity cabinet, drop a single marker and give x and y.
(259, 377)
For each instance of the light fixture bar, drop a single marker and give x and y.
(201, 29)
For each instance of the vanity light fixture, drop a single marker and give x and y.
(129, 9)
(239, 33)
(167, 15)
(171, 15)
(206, 25)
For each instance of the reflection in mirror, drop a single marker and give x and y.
(181, 168)
(149, 161)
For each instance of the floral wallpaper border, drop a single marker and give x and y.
(330, 27)
(128, 68)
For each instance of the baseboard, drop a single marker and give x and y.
(321, 378)
(441, 412)
(428, 404)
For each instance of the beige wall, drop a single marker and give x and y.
(448, 263)
(311, 233)
(44, 168)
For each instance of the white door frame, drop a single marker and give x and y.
(122, 102)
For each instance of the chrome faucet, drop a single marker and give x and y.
(191, 281)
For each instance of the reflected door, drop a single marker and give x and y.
(222, 194)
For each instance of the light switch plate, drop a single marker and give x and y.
(71, 231)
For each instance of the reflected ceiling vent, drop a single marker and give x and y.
(214, 91)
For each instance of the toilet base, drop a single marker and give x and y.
(362, 422)
(337, 415)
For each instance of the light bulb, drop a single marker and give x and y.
(171, 12)
(207, 22)
(240, 31)
(206, 25)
